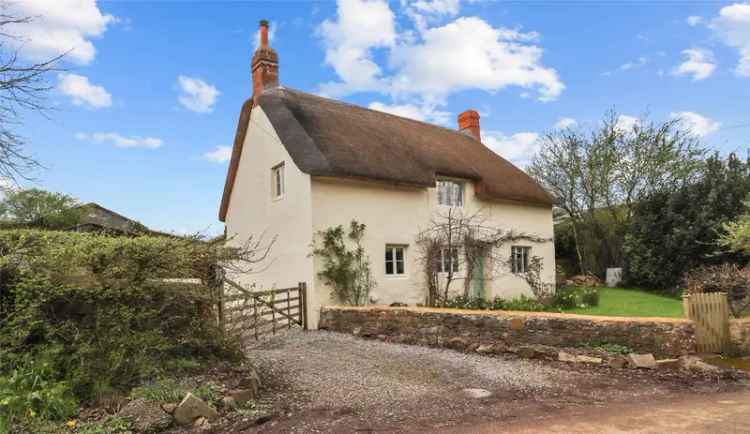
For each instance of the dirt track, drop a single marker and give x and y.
(721, 413)
(332, 383)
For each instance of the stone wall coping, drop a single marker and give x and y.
(508, 313)
(742, 321)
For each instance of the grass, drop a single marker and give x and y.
(632, 302)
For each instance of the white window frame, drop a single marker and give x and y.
(278, 181)
(394, 261)
(450, 192)
(519, 257)
(446, 261)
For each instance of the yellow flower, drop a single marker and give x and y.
(71, 424)
(30, 412)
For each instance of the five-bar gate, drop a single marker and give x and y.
(251, 314)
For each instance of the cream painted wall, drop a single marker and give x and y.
(396, 215)
(393, 215)
(253, 211)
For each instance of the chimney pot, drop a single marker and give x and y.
(468, 123)
(264, 33)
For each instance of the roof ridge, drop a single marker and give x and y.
(349, 104)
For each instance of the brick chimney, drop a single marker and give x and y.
(468, 123)
(265, 65)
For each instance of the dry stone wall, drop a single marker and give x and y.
(461, 329)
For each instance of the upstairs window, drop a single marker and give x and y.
(449, 260)
(277, 181)
(520, 258)
(450, 193)
(394, 260)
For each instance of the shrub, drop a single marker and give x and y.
(102, 311)
(728, 278)
(522, 303)
(32, 389)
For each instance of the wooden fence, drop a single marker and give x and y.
(709, 313)
(251, 314)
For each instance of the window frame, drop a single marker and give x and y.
(525, 253)
(278, 181)
(394, 261)
(452, 260)
(446, 199)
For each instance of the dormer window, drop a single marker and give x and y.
(450, 193)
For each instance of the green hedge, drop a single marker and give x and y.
(88, 316)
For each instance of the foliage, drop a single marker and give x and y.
(736, 236)
(474, 241)
(522, 303)
(38, 208)
(32, 389)
(346, 270)
(597, 178)
(611, 348)
(576, 297)
(103, 310)
(727, 278)
(111, 425)
(672, 232)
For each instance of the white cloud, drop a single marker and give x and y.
(694, 20)
(220, 154)
(698, 124)
(197, 95)
(59, 26)
(80, 89)
(360, 27)
(634, 65)
(518, 148)
(120, 141)
(700, 64)
(424, 112)
(733, 26)
(466, 53)
(564, 123)
(626, 123)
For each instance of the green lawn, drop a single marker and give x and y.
(633, 302)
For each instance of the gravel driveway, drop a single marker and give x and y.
(328, 382)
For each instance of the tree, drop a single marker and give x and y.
(39, 208)
(456, 241)
(672, 232)
(737, 233)
(23, 87)
(597, 177)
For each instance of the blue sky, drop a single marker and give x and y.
(149, 103)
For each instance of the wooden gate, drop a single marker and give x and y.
(251, 314)
(709, 313)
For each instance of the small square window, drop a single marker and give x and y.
(448, 260)
(395, 260)
(519, 256)
(277, 181)
(450, 193)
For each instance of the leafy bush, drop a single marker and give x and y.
(346, 270)
(728, 278)
(576, 296)
(100, 308)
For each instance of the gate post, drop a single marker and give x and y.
(303, 304)
(686, 305)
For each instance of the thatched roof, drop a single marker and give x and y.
(325, 137)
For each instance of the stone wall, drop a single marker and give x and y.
(739, 332)
(512, 330)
